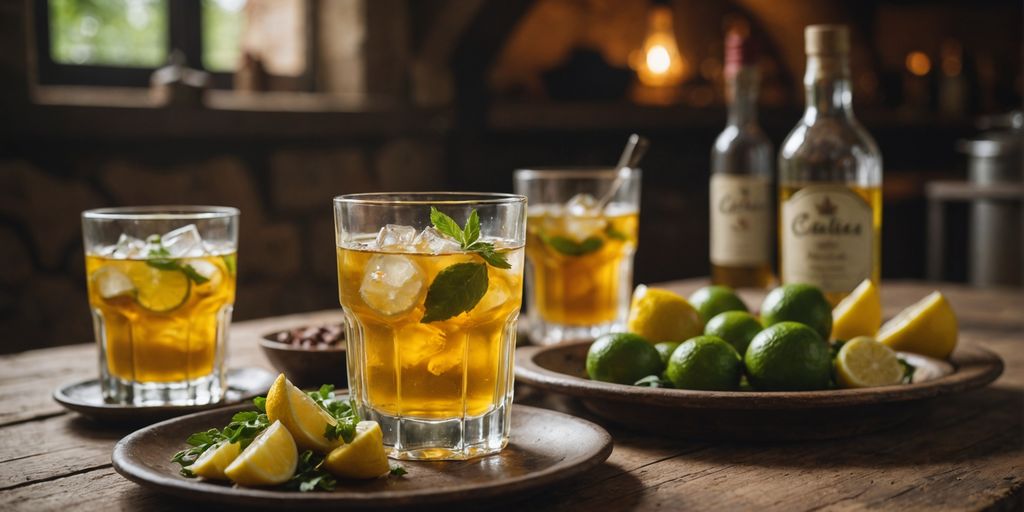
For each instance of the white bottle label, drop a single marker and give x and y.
(740, 220)
(827, 237)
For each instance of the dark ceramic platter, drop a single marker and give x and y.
(85, 398)
(537, 456)
(752, 415)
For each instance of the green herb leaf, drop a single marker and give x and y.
(310, 475)
(261, 403)
(456, 289)
(570, 247)
(397, 471)
(653, 381)
(447, 225)
(908, 371)
(472, 231)
(159, 257)
(490, 255)
(615, 234)
(194, 275)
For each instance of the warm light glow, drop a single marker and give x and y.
(658, 59)
(918, 63)
(658, 63)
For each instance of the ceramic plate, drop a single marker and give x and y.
(537, 456)
(756, 415)
(85, 398)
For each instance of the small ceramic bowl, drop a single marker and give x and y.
(307, 365)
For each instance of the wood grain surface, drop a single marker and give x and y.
(966, 453)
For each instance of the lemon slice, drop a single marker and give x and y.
(111, 283)
(660, 315)
(306, 420)
(364, 457)
(859, 314)
(866, 363)
(160, 291)
(928, 327)
(270, 459)
(212, 463)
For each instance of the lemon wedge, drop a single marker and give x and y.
(928, 327)
(859, 314)
(212, 463)
(270, 459)
(660, 315)
(306, 420)
(866, 363)
(364, 457)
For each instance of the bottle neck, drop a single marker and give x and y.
(827, 87)
(741, 95)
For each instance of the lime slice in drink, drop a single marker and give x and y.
(207, 276)
(159, 290)
(111, 283)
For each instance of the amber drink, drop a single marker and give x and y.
(161, 287)
(580, 247)
(432, 316)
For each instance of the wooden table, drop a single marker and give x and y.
(967, 454)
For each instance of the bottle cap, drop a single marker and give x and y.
(740, 51)
(827, 40)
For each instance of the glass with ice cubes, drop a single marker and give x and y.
(582, 234)
(161, 283)
(431, 285)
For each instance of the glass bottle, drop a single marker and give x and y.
(830, 179)
(741, 176)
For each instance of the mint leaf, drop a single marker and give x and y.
(447, 225)
(456, 289)
(472, 231)
(490, 255)
(570, 247)
(397, 471)
(615, 234)
(192, 274)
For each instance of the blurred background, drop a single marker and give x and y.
(275, 106)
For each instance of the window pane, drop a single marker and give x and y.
(129, 33)
(222, 33)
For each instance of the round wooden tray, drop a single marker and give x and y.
(537, 456)
(753, 415)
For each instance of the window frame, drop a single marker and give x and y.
(184, 34)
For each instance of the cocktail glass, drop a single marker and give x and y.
(431, 286)
(582, 234)
(161, 283)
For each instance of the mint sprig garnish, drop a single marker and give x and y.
(459, 287)
(570, 247)
(468, 237)
(159, 257)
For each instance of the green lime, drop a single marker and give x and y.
(665, 349)
(798, 302)
(623, 358)
(707, 363)
(788, 356)
(736, 327)
(712, 300)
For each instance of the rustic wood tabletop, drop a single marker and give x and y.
(967, 453)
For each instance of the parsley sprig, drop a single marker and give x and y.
(244, 427)
(342, 411)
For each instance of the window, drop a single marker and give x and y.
(121, 42)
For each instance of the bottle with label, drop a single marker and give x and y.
(830, 179)
(741, 177)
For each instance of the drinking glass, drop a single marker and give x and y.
(161, 283)
(431, 316)
(582, 234)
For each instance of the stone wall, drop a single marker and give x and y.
(286, 243)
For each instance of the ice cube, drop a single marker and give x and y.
(433, 241)
(498, 293)
(450, 357)
(392, 284)
(395, 236)
(183, 242)
(417, 343)
(581, 204)
(128, 247)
